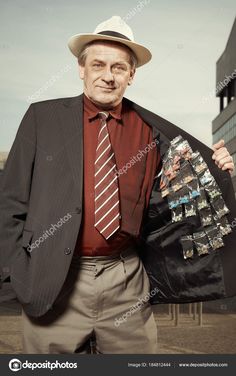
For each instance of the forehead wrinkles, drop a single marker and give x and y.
(100, 53)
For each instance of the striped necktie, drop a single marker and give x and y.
(106, 185)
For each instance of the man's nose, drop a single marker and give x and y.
(108, 75)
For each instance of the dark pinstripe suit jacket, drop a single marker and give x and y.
(42, 186)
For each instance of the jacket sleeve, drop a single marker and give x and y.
(15, 187)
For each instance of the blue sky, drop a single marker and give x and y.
(186, 39)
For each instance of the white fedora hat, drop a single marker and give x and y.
(115, 29)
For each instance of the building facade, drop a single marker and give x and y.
(224, 125)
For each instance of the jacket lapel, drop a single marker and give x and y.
(71, 124)
(150, 119)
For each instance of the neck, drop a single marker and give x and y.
(103, 106)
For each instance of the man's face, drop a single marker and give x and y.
(106, 74)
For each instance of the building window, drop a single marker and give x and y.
(227, 131)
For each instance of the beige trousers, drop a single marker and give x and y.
(104, 300)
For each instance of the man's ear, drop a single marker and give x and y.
(132, 73)
(81, 72)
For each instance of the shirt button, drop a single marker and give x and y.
(67, 251)
(78, 210)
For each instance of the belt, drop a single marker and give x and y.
(122, 255)
(105, 251)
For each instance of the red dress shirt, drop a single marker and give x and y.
(129, 136)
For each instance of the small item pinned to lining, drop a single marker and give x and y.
(194, 189)
(201, 243)
(212, 190)
(177, 214)
(183, 195)
(165, 192)
(206, 177)
(214, 237)
(187, 246)
(202, 200)
(206, 216)
(173, 200)
(223, 225)
(187, 173)
(190, 209)
(178, 182)
(198, 162)
(219, 206)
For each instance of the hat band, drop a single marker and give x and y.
(113, 34)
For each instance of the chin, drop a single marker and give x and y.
(106, 100)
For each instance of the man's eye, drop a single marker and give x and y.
(119, 68)
(97, 65)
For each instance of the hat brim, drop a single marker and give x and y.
(78, 41)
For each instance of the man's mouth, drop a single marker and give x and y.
(106, 88)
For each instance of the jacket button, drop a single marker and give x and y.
(78, 210)
(67, 251)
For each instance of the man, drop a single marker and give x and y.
(76, 213)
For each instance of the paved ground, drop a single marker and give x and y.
(216, 336)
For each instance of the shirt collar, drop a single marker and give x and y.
(92, 110)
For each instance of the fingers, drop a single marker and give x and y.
(228, 166)
(220, 154)
(223, 161)
(218, 145)
(222, 158)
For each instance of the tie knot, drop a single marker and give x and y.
(103, 115)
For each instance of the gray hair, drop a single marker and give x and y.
(84, 53)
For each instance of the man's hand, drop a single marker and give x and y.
(222, 157)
